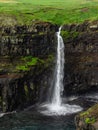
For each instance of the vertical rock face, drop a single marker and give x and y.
(27, 55)
(35, 40)
(81, 57)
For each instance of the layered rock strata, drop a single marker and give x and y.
(27, 59)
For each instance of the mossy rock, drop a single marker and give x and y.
(90, 120)
(23, 64)
(87, 120)
(67, 34)
(91, 115)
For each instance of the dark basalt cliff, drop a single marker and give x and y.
(27, 58)
(36, 40)
(27, 61)
(81, 57)
(81, 67)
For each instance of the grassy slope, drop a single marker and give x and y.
(56, 11)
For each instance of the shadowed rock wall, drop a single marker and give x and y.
(81, 57)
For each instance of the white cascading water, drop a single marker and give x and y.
(56, 107)
(58, 86)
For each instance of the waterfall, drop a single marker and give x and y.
(58, 84)
(56, 106)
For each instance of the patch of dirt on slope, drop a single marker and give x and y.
(8, 1)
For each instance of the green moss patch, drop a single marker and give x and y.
(23, 64)
(67, 34)
(84, 113)
(91, 115)
(90, 120)
(22, 68)
(27, 62)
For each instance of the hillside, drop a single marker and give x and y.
(57, 11)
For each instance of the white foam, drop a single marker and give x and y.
(2, 114)
(56, 110)
(71, 98)
(93, 96)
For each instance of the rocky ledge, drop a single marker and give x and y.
(87, 120)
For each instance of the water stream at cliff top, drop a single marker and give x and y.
(56, 106)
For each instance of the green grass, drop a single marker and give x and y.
(55, 11)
